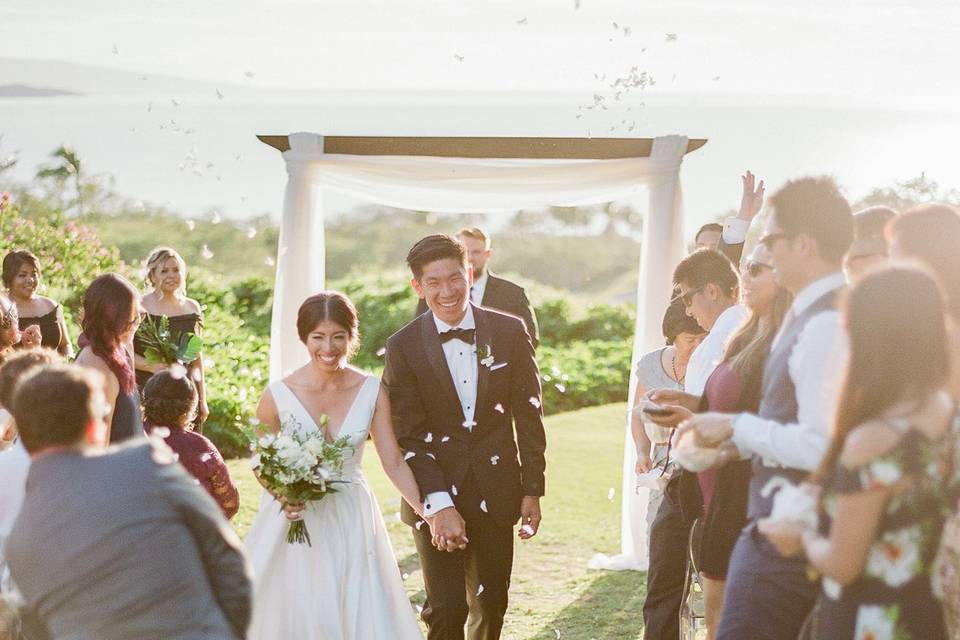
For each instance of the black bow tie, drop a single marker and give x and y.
(458, 334)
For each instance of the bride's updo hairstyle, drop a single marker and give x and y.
(333, 306)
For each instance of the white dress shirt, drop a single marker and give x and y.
(709, 352)
(462, 362)
(14, 465)
(478, 288)
(735, 230)
(816, 367)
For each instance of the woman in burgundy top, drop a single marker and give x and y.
(170, 407)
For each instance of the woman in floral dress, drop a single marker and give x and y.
(886, 474)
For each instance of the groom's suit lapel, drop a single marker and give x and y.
(483, 338)
(438, 361)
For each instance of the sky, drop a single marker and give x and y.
(870, 52)
(528, 67)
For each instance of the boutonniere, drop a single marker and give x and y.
(487, 359)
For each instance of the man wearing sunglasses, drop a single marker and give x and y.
(768, 596)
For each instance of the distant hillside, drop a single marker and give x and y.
(91, 80)
(27, 91)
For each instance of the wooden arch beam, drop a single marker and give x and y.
(457, 147)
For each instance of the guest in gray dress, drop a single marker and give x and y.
(663, 368)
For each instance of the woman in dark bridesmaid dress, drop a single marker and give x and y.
(22, 279)
(111, 315)
(167, 276)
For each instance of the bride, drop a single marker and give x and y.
(347, 585)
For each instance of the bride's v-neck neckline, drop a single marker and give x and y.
(346, 417)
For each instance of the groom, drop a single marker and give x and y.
(461, 379)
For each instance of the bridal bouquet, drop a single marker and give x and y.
(300, 467)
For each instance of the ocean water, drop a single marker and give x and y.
(201, 153)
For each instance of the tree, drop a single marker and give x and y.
(68, 169)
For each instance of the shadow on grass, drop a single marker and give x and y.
(610, 607)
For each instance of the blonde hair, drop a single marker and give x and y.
(158, 257)
(477, 234)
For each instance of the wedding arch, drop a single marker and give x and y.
(469, 174)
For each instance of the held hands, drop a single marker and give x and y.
(530, 517)
(644, 464)
(448, 529)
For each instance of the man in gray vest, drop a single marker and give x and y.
(119, 543)
(808, 233)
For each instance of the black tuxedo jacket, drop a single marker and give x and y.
(503, 295)
(428, 419)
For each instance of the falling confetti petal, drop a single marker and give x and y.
(205, 457)
(610, 493)
(469, 424)
(429, 437)
(494, 459)
(522, 21)
(381, 351)
(483, 506)
(219, 94)
(560, 387)
(175, 103)
(715, 78)
(419, 609)
(269, 261)
(115, 50)
(432, 456)
(205, 253)
(419, 524)
(444, 438)
(409, 455)
(671, 37)
(251, 232)
(216, 219)
(178, 371)
(249, 74)
(498, 408)
(404, 576)
(161, 432)
(453, 489)
(557, 632)
(458, 57)
(535, 401)
(149, 107)
(480, 590)
(527, 529)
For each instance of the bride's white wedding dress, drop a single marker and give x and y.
(347, 585)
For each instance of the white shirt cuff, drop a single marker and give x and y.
(735, 230)
(436, 502)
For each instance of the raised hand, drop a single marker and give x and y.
(530, 517)
(752, 199)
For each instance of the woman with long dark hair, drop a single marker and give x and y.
(111, 315)
(931, 234)
(885, 476)
(22, 278)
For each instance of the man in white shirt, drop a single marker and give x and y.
(808, 233)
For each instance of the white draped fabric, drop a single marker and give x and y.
(480, 185)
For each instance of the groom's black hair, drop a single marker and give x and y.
(438, 246)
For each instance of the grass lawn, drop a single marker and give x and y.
(553, 594)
